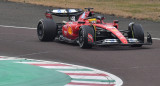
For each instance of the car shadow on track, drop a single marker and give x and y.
(106, 48)
(65, 43)
(118, 48)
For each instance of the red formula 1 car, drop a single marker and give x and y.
(88, 30)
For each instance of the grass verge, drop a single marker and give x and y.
(139, 9)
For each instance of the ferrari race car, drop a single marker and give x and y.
(86, 29)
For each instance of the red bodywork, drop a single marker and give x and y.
(71, 29)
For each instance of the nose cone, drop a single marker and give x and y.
(124, 41)
(115, 31)
(118, 34)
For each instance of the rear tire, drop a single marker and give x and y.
(136, 31)
(46, 30)
(86, 37)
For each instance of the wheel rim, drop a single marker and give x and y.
(81, 38)
(40, 31)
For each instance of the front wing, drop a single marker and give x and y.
(131, 41)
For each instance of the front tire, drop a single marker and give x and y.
(46, 30)
(136, 31)
(86, 37)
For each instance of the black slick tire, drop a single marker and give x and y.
(136, 31)
(46, 30)
(84, 32)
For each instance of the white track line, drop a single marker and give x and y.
(10, 58)
(156, 38)
(16, 27)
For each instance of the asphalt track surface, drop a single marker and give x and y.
(135, 66)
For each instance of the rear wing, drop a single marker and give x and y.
(65, 12)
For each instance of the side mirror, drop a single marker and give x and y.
(103, 18)
(115, 21)
(48, 15)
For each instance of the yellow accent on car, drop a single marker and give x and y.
(70, 31)
(93, 20)
(94, 32)
(114, 30)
